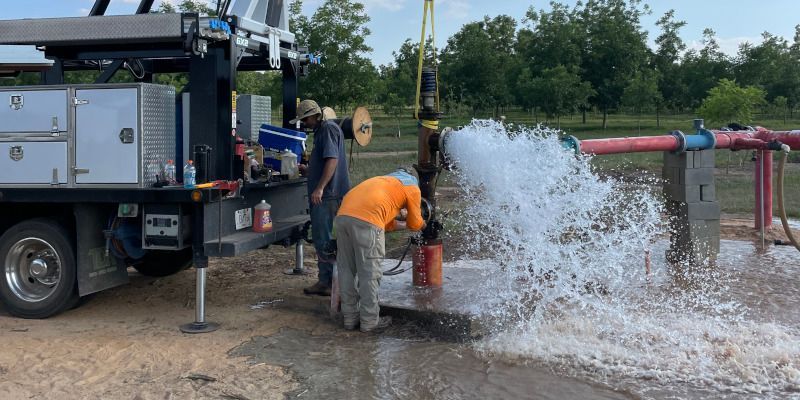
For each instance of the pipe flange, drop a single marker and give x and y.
(707, 133)
(681, 141)
(571, 142)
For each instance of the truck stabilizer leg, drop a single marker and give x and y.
(298, 269)
(200, 325)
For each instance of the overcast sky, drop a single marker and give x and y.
(735, 21)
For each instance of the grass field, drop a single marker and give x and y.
(734, 169)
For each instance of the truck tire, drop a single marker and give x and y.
(161, 263)
(39, 269)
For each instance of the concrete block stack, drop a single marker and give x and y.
(691, 201)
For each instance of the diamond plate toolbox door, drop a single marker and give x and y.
(25, 112)
(107, 139)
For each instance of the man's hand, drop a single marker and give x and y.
(316, 196)
(303, 169)
(403, 215)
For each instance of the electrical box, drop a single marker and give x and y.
(165, 227)
(253, 111)
(106, 135)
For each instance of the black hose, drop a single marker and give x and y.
(395, 270)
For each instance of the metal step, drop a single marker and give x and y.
(246, 240)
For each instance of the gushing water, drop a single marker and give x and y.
(568, 249)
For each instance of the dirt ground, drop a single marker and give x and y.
(124, 343)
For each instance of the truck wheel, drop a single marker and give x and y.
(38, 269)
(164, 263)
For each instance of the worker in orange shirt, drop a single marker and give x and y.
(367, 212)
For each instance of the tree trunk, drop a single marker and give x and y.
(658, 117)
(558, 121)
(605, 118)
(639, 122)
(583, 118)
(398, 128)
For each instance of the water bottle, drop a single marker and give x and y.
(189, 175)
(169, 172)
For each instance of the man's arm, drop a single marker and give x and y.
(414, 219)
(328, 170)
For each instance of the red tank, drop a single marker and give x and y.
(427, 262)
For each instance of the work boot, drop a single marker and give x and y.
(383, 323)
(318, 289)
(352, 327)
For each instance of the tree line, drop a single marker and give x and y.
(590, 57)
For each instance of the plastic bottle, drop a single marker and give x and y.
(169, 172)
(262, 221)
(289, 164)
(189, 175)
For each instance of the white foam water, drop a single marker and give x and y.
(568, 249)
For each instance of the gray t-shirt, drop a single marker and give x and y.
(328, 143)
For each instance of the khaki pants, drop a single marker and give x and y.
(360, 248)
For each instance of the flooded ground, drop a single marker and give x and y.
(405, 363)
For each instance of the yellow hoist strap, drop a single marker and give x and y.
(428, 5)
(429, 124)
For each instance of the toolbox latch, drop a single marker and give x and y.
(16, 101)
(16, 152)
(126, 135)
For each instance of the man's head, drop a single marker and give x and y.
(309, 113)
(406, 176)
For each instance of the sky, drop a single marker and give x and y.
(392, 21)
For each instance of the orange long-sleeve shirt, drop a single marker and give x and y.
(379, 200)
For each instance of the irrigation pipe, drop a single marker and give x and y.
(781, 208)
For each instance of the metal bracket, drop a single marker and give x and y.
(54, 128)
(54, 182)
(76, 102)
(79, 171)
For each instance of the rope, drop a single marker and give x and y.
(428, 5)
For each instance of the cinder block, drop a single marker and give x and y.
(696, 176)
(707, 210)
(703, 229)
(708, 192)
(682, 193)
(681, 160)
(705, 159)
(670, 175)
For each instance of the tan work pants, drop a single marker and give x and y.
(360, 248)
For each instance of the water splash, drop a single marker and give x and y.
(569, 248)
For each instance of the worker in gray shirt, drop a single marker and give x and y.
(327, 184)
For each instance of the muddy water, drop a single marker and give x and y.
(396, 365)
(405, 364)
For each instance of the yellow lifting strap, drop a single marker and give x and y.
(428, 6)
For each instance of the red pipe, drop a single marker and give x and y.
(725, 140)
(767, 206)
(638, 144)
(738, 140)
